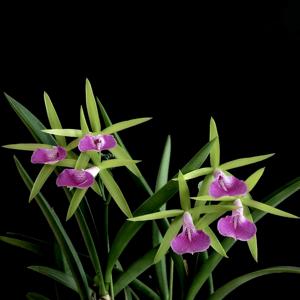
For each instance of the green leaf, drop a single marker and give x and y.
(27, 147)
(161, 180)
(139, 286)
(160, 267)
(230, 286)
(244, 161)
(66, 163)
(124, 125)
(29, 246)
(153, 203)
(215, 243)
(82, 161)
(211, 209)
(35, 296)
(115, 192)
(207, 219)
(75, 202)
(42, 177)
(33, 124)
(184, 192)
(72, 145)
(209, 198)
(61, 277)
(53, 118)
(95, 157)
(163, 172)
(158, 215)
(120, 153)
(254, 178)
(196, 173)
(215, 150)
(95, 187)
(133, 271)
(61, 236)
(268, 208)
(92, 107)
(81, 216)
(83, 123)
(207, 268)
(64, 132)
(252, 243)
(166, 241)
(113, 163)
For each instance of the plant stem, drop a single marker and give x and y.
(171, 279)
(210, 278)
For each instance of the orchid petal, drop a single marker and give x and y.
(75, 178)
(224, 185)
(48, 156)
(198, 242)
(237, 228)
(96, 143)
(190, 240)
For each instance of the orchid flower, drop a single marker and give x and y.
(97, 143)
(237, 226)
(226, 185)
(190, 240)
(48, 156)
(81, 179)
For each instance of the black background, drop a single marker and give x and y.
(180, 65)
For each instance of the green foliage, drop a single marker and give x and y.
(83, 272)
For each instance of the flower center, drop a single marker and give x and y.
(79, 176)
(222, 183)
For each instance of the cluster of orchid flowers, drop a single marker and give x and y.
(218, 185)
(236, 226)
(221, 187)
(81, 179)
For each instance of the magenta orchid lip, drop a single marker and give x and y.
(226, 185)
(48, 156)
(190, 240)
(97, 143)
(237, 226)
(81, 179)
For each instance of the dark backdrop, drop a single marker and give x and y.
(180, 65)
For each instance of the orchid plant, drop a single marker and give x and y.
(78, 159)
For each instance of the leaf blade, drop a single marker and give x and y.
(53, 118)
(253, 179)
(64, 132)
(115, 192)
(184, 193)
(40, 180)
(166, 241)
(215, 150)
(75, 202)
(92, 107)
(244, 161)
(27, 146)
(33, 124)
(268, 208)
(227, 288)
(60, 277)
(29, 246)
(158, 215)
(124, 125)
(134, 270)
(163, 171)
